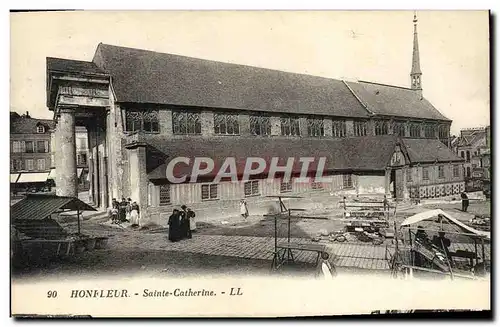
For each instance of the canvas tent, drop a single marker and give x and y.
(427, 215)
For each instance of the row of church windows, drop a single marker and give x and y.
(228, 124)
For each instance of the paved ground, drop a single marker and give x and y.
(242, 247)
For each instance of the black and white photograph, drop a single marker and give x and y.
(317, 147)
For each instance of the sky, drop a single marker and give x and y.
(352, 45)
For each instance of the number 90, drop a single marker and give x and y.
(51, 294)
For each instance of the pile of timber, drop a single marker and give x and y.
(367, 219)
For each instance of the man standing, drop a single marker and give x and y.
(465, 201)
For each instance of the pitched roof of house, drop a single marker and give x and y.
(72, 66)
(142, 76)
(429, 150)
(28, 125)
(392, 100)
(471, 137)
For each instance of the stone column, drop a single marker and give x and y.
(388, 182)
(90, 163)
(138, 177)
(66, 171)
(406, 191)
(95, 169)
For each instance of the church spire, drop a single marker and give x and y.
(416, 73)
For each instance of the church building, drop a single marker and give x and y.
(142, 109)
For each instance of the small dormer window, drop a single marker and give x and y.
(40, 129)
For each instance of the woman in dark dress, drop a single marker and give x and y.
(185, 223)
(174, 226)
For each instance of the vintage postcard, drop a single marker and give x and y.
(249, 163)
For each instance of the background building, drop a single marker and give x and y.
(143, 108)
(30, 152)
(473, 145)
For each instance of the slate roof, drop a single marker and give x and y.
(28, 125)
(349, 154)
(392, 100)
(148, 77)
(72, 66)
(429, 150)
(354, 154)
(141, 76)
(472, 138)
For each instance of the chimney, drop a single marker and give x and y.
(28, 114)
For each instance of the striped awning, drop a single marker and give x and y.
(14, 177)
(33, 177)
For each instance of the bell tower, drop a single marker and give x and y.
(416, 73)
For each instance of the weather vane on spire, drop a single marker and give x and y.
(415, 16)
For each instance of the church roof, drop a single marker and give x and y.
(352, 154)
(390, 100)
(148, 77)
(141, 76)
(347, 154)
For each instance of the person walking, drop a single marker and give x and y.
(174, 226)
(465, 201)
(243, 208)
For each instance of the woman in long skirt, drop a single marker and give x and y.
(174, 226)
(128, 210)
(243, 209)
(134, 214)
